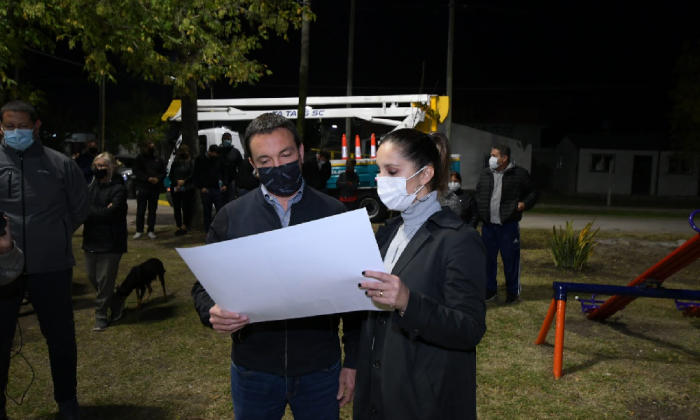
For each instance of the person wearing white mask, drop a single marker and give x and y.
(45, 196)
(417, 358)
(503, 192)
(460, 201)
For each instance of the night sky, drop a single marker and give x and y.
(572, 66)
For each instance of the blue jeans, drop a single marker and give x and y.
(504, 238)
(261, 396)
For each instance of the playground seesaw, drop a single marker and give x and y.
(648, 284)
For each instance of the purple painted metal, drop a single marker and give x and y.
(691, 219)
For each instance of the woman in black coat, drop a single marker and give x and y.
(418, 357)
(182, 189)
(104, 233)
(468, 212)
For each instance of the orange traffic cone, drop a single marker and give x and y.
(358, 148)
(345, 147)
(373, 149)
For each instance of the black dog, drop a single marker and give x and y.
(139, 279)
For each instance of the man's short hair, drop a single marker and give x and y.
(503, 150)
(325, 154)
(266, 124)
(19, 106)
(214, 149)
(352, 161)
(227, 135)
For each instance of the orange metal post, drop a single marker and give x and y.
(542, 337)
(559, 338)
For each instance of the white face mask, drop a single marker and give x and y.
(453, 186)
(493, 162)
(392, 191)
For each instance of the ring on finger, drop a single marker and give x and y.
(381, 293)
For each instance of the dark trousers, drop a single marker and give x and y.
(51, 297)
(506, 239)
(231, 193)
(183, 204)
(261, 396)
(213, 197)
(145, 198)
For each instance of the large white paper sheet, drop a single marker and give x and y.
(295, 272)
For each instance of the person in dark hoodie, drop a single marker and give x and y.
(182, 189)
(503, 193)
(104, 234)
(149, 170)
(43, 220)
(211, 180)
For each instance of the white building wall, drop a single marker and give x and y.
(473, 145)
(677, 184)
(621, 181)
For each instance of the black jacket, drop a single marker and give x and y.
(292, 347)
(231, 160)
(422, 366)
(314, 176)
(208, 172)
(516, 187)
(245, 178)
(44, 194)
(469, 213)
(182, 169)
(147, 166)
(105, 228)
(347, 184)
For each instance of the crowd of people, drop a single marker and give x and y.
(414, 360)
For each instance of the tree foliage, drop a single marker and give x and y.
(135, 122)
(165, 41)
(685, 114)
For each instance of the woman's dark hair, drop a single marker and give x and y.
(456, 175)
(424, 150)
(183, 149)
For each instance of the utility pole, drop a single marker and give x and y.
(450, 56)
(351, 53)
(102, 114)
(303, 70)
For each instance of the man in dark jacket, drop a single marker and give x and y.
(231, 160)
(503, 192)
(149, 171)
(295, 361)
(317, 170)
(43, 219)
(347, 184)
(211, 180)
(246, 179)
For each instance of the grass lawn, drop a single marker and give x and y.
(160, 363)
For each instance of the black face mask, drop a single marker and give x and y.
(151, 152)
(182, 156)
(92, 150)
(100, 173)
(283, 180)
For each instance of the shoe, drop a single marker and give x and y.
(491, 296)
(70, 409)
(100, 325)
(152, 235)
(180, 232)
(117, 308)
(510, 299)
(138, 235)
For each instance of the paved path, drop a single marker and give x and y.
(530, 221)
(609, 223)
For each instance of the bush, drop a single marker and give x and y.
(571, 251)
